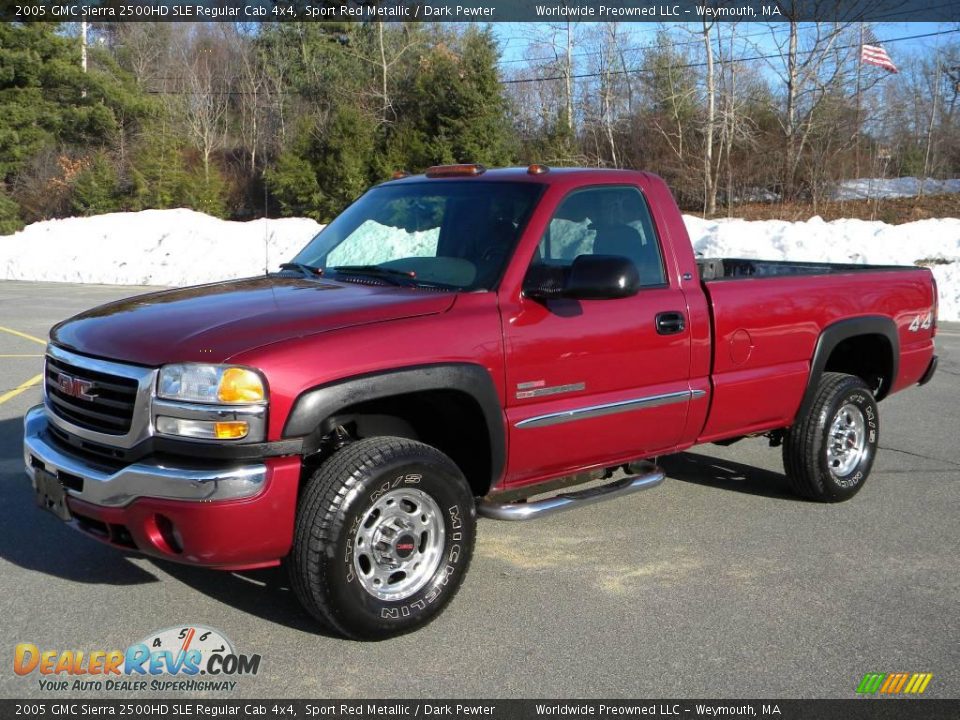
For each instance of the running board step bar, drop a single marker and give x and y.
(569, 501)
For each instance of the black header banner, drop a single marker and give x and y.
(479, 10)
(854, 709)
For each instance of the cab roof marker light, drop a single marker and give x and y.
(462, 170)
(537, 169)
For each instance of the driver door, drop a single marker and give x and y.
(597, 382)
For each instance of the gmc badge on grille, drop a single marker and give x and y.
(75, 387)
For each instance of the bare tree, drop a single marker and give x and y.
(606, 101)
(144, 50)
(671, 93)
(251, 103)
(809, 67)
(203, 95)
(551, 50)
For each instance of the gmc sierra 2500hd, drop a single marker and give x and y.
(451, 345)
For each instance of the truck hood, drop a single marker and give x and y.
(211, 323)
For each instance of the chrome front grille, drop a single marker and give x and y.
(106, 405)
(98, 401)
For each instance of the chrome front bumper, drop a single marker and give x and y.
(117, 488)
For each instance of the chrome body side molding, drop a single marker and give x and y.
(592, 411)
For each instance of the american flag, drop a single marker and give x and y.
(872, 52)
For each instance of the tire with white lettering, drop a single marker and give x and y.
(384, 535)
(828, 453)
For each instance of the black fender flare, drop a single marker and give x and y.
(315, 405)
(834, 334)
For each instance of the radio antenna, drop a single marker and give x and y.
(266, 236)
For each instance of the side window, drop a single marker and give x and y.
(610, 220)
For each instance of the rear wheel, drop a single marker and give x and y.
(384, 536)
(828, 453)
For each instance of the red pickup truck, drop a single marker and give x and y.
(457, 343)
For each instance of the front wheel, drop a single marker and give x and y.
(828, 453)
(384, 536)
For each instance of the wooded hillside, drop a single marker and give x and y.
(240, 120)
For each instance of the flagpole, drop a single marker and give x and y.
(856, 134)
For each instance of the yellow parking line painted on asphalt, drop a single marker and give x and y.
(17, 390)
(23, 335)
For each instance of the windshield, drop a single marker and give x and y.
(448, 233)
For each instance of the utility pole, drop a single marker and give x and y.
(83, 52)
(83, 45)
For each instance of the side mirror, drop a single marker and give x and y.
(590, 277)
(602, 277)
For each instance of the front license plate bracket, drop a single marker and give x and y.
(51, 495)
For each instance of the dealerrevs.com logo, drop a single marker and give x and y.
(186, 658)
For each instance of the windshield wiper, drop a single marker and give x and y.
(391, 275)
(307, 270)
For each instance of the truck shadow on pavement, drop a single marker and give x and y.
(727, 475)
(265, 594)
(36, 540)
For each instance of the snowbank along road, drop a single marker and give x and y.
(184, 247)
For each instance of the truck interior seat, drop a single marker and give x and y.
(627, 242)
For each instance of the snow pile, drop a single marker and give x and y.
(153, 247)
(935, 242)
(892, 188)
(183, 247)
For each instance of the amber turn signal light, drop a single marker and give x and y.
(230, 430)
(463, 170)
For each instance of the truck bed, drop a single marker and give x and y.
(765, 335)
(734, 268)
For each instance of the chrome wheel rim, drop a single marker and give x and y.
(847, 440)
(399, 544)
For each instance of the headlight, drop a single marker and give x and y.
(216, 384)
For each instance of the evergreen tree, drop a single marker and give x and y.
(48, 103)
(10, 220)
(453, 108)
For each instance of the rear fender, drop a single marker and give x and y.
(842, 330)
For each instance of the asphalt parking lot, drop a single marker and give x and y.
(716, 584)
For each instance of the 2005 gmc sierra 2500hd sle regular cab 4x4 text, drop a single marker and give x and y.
(453, 344)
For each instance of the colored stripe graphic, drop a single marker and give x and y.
(894, 683)
(891, 679)
(871, 683)
(897, 685)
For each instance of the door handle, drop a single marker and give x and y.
(670, 323)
